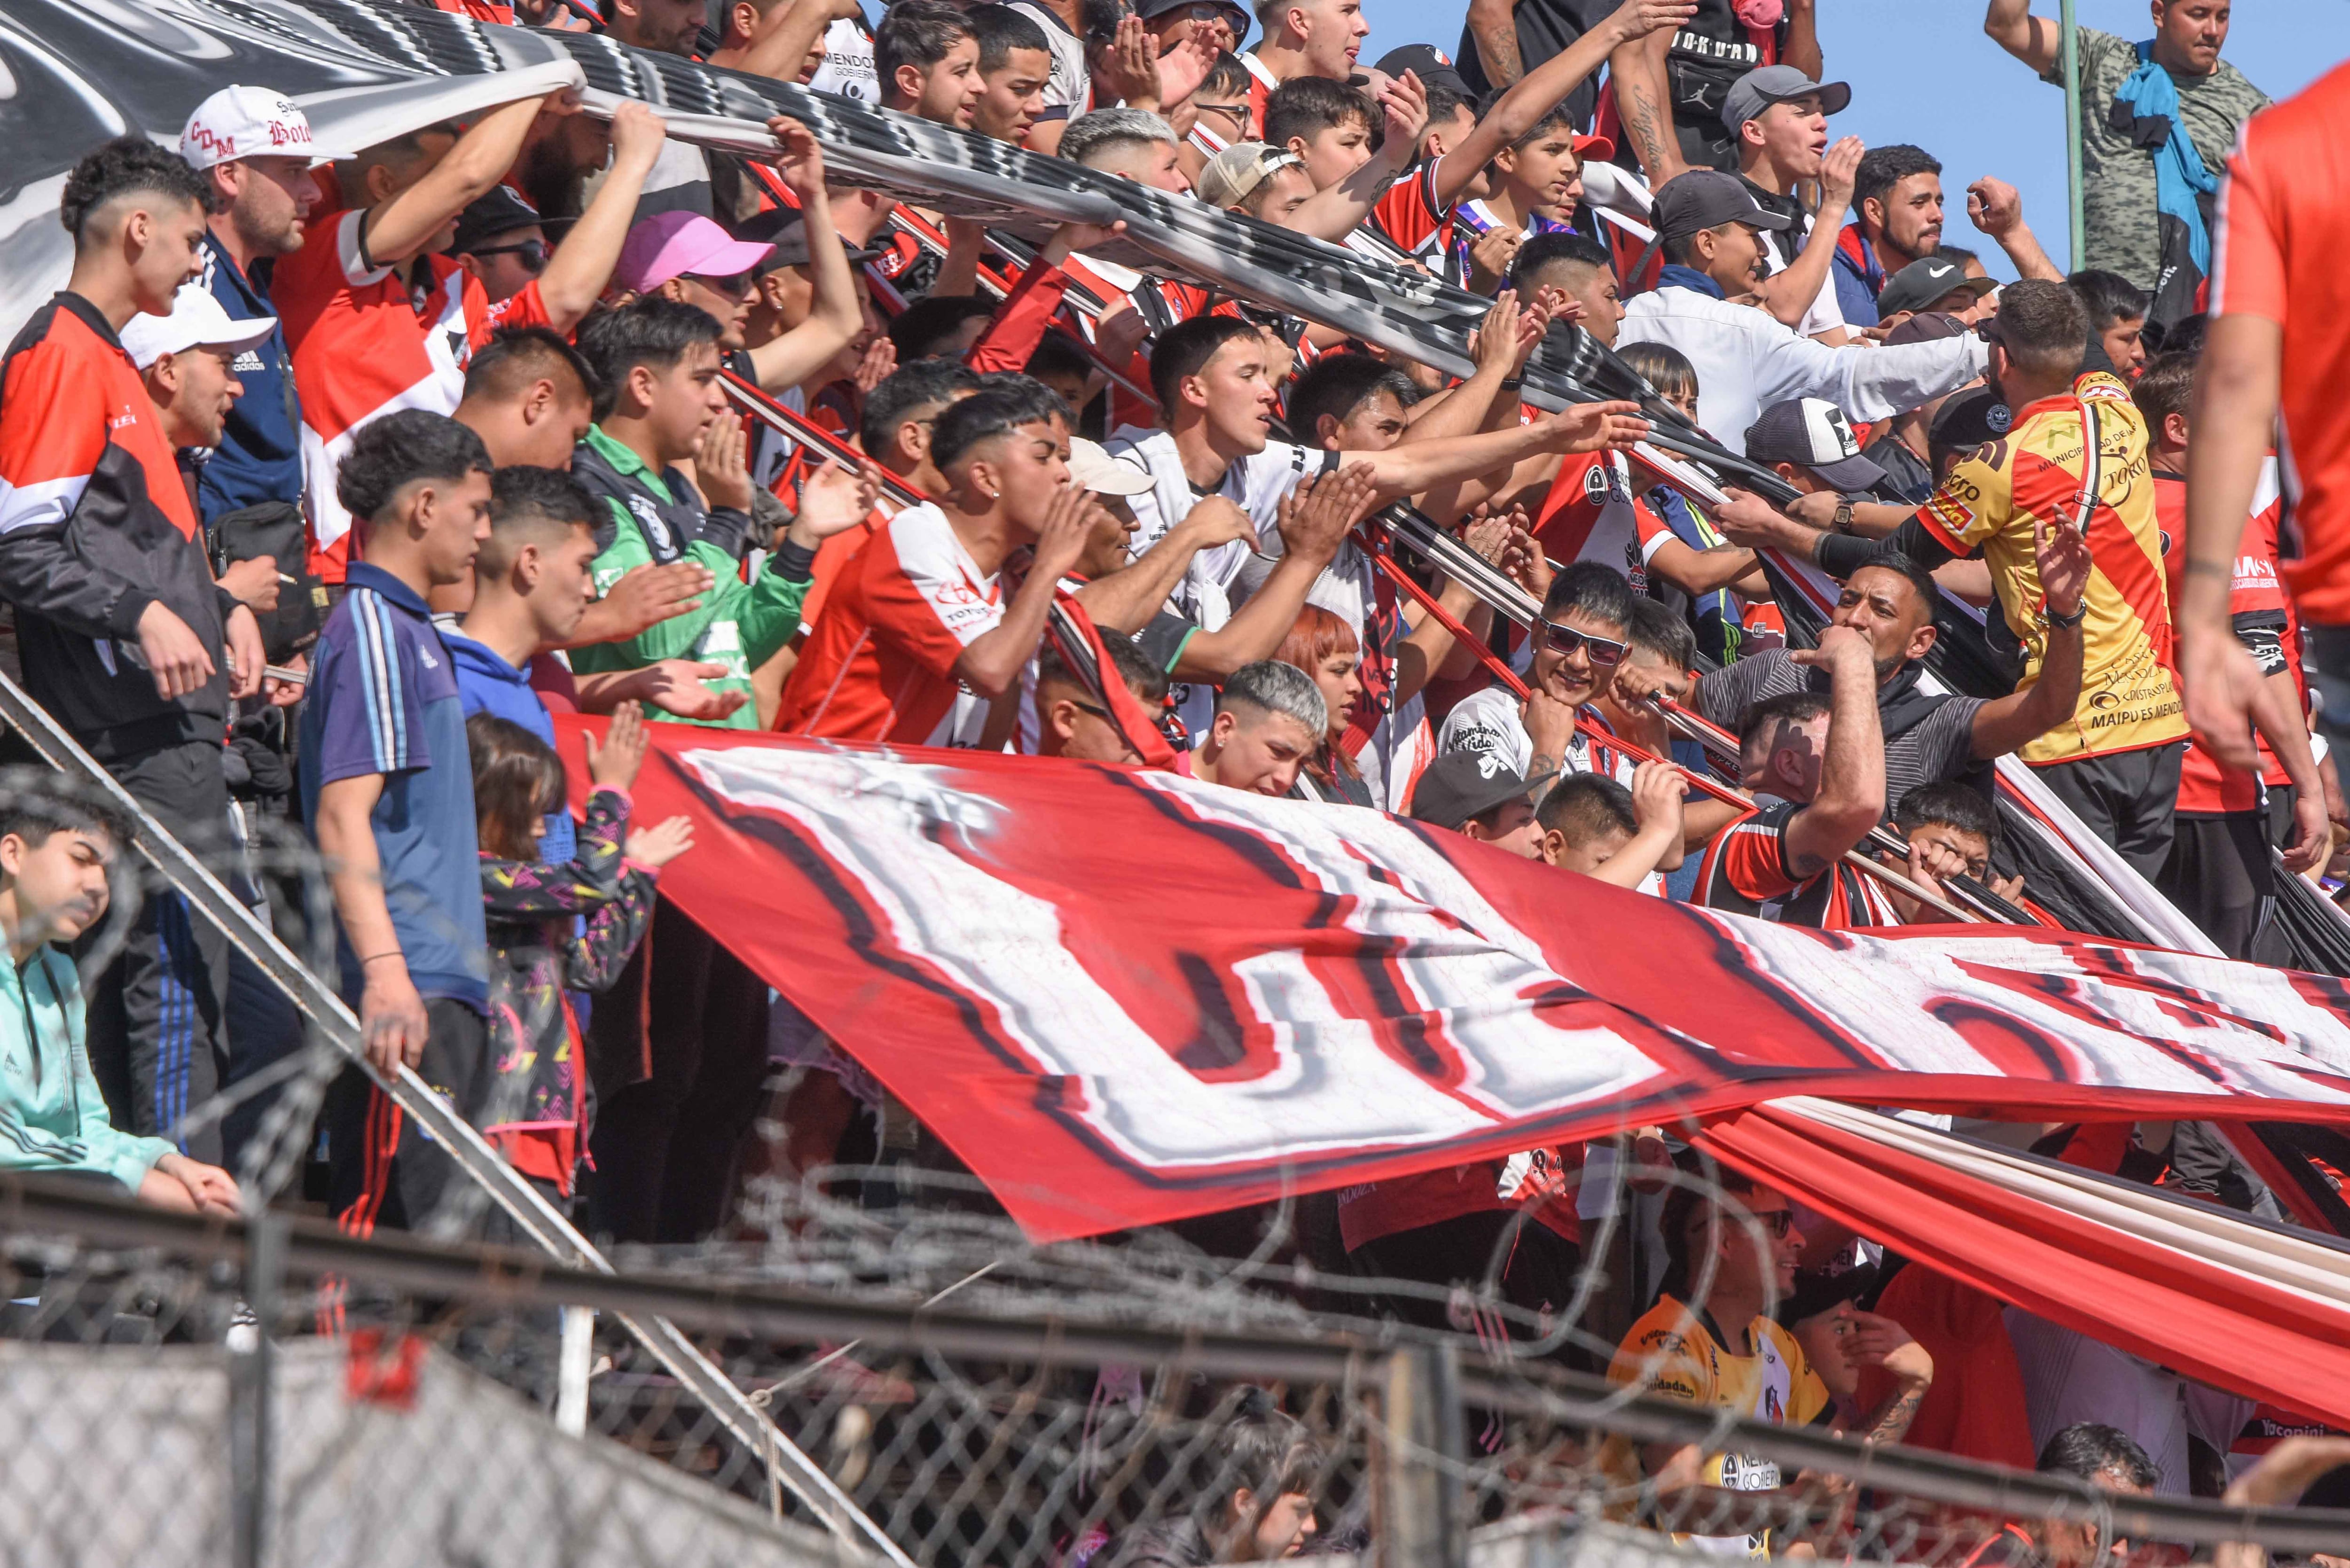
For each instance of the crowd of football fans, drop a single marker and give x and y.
(367, 461)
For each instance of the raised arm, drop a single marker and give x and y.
(1646, 103)
(1994, 207)
(396, 229)
(575, 274)
(991, 663)
(2032, 40)
(1416, 466)
(1125, 600)
(1493, 24)
(1789, 295)
(834, 313)
(1334, 213)
(2007, 722)
(1851, 798)
(1546, 84)
(785, 38)
(1314, 521)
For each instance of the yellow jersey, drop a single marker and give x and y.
(2129, 700)
(1674, 1354)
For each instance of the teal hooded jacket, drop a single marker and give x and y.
(52, 1117)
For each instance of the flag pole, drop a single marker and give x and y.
(2069, 46)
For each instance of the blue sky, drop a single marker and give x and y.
(1922, 72)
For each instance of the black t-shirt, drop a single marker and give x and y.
(1546, 27)
(1706, 57)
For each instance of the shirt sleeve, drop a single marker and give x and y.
(1971, 504)
(524, 308)
(918, 596)
(2248, 272)
(100, 1148)
(1020, 323)
(52, 433)
(371, 718)
(1753, 856)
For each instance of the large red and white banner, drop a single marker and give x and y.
(1124, 997)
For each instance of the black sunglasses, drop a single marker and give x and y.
(734, 285)
(1605, 653)
(534, 254)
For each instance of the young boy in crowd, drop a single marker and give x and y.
(1483, 797)
(388, 798)
(1823, 760)
(924, 613)
(1533, 186)
(659, 362)
(1072, 724)
(1270, 718)
(1624, 837)
(1586, 619)
(926, 56)
(54, 859)
(1952, 831)
(1015, 66)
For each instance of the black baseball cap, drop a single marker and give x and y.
(1925, 328)
(1458, 785)
(501, 212)
(1813, 434)
(1707, 199)
(1151, 10)
(1928, 281)
(1969, 419)
(1433, 64)
(785, 228)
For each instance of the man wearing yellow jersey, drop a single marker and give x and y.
(2116, 761)
(1709, 1341)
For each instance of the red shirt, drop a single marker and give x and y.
(1589, 514)
(365, 346)
(2204, 786)
(1409, 215)
(2285, 226)
(879, 665)
(71, 394)
(1745, 872)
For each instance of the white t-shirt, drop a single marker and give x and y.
(1488, 723)
(1223, 577)
(847, 67)
(1069, 90)
(1780, 249)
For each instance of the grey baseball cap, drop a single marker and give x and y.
(1760, 88)
(1707, 199)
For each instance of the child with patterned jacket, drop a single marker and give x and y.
(556, 928)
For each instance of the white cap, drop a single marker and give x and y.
(250, 122)
(197, 321)
(1091, 467)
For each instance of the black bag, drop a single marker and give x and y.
(276, 529)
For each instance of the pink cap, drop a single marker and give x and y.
(672, 243)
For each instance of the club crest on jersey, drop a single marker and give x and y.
(1597, 485)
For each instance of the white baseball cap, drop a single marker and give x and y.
(250, 122)
(197, 321)
(1091, 467)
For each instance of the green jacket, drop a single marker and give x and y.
(739, 624)
(52, 1117)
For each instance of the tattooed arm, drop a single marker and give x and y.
(1637, 69)
(1494, 25)
(1880, 1342)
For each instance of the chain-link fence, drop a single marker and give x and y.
(197, 1392)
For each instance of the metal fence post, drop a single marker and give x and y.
(1421, 1525)
(251, 1422)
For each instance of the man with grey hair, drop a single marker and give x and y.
(1131, 143)
(1269, 717)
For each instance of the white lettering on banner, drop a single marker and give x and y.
(1901, 1001)
(1332, 1088)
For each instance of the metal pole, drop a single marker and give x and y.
(251, 1451)
(2069, 57)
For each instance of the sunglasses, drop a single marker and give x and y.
(734, 287)
(1235, 112)
(1777, 1223)
(534, 254)
(1605, 653)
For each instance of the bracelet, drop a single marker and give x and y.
(1511, 383)
(394, 952)
(2080, 613)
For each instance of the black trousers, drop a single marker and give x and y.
(2222, 877)
(384, 1170)
(2129, 799)
(158, 1011)
(666, 1144)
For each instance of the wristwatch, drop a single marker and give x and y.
(2080, 613)
(1842, 524)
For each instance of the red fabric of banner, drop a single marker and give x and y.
(1124, 997)
(2199, 1318)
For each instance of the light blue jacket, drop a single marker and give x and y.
(52, 1117)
